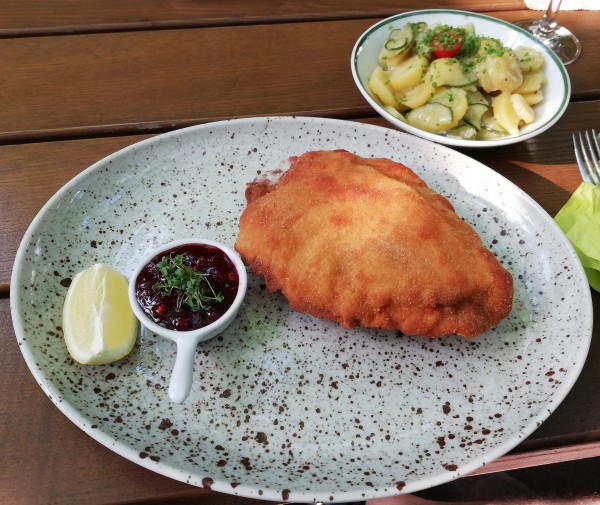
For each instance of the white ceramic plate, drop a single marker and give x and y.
(284, 406)
(557, 91)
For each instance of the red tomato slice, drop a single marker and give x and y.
(446, 44)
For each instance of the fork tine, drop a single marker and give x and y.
(579, 156)
(594, 154)
(595, 151)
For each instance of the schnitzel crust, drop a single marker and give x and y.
(365, 242)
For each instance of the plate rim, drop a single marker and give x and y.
(167, 469)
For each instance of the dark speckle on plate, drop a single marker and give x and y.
(285, 406)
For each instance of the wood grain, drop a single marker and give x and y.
(151, 81)
(35, 17)
(46, 459)
(39, 170)
(544, 168)
(515, 461)
(84, 78)
(36, 438)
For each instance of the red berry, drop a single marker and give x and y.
(182, 323)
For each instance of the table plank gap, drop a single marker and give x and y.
(37, 18)
(156, 81)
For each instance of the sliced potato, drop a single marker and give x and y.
(485, 95)
(394, 112)
(394, 61)
(529, 59)
(448, 72)
(533, 98)
(388, 61)
(487, 46)
(499, 73)
(505, 113)
(531, 82)
(522, 108)
(409, 73)
(378, 85)
(416, 96)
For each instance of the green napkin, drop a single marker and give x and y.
(580, 220)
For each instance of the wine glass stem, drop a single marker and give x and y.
(547, 24)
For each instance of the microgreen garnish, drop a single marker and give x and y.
(445, 37)
(192, 288)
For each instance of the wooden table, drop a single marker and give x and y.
(81, 79)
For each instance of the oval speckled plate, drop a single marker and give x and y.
(285, 406)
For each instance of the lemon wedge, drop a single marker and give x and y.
(98, 323)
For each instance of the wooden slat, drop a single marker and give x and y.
(149, 81)
(515, 461)
(21, 166)
(38, 443)
(35, 17)
(149, 66)
(545, 169)
(117, 82)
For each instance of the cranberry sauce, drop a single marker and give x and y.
(165, 310)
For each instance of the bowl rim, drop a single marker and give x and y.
(511, 139)
(204, 332)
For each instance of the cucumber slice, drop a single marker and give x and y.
(394, 112)
(431, 117)
(455, 99)
(463, 132)
(474, 113)
(419, 29)
(474, 97)
(448, 96)
(490, 124)
(419, 26)
(469, 28)
(484, 134)
(400, 39)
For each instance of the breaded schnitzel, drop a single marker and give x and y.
(365, 242)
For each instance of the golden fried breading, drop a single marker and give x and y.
(365, 242)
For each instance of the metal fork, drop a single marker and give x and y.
(587, 152)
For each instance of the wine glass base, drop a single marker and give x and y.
(564, 44)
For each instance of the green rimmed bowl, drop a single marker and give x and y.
(557, 89)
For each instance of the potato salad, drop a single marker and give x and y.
(449, 81)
